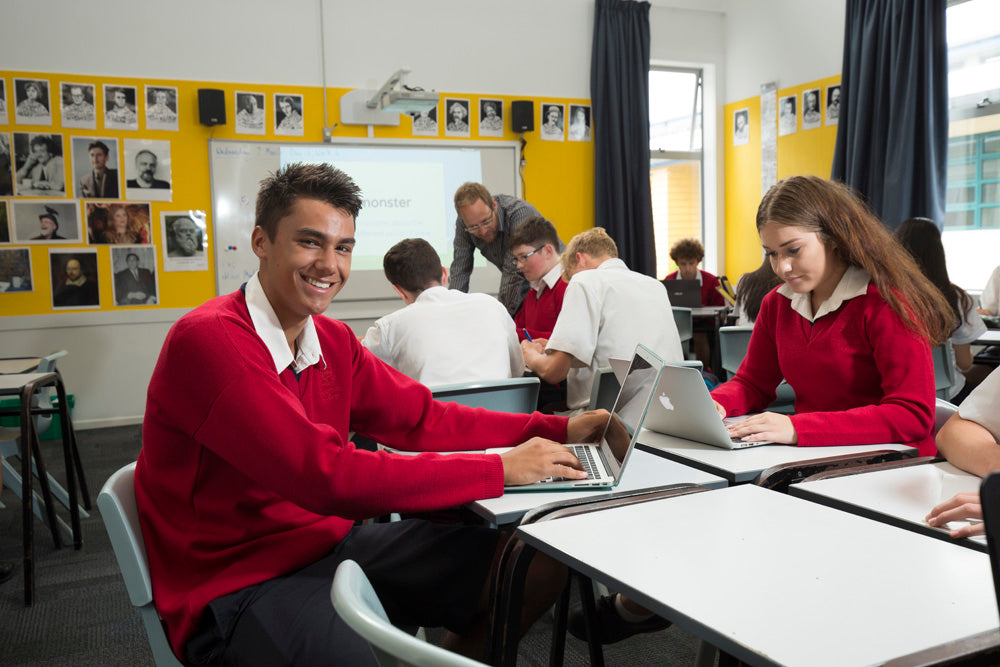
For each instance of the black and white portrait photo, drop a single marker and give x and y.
(249, 113)
(833, 104)
(38, 160)
(812, 117)
(6, 166)
(76, 102)
(96, 174)
(47, 221)
(147, 169)
(184, 235)
(425, 123)
(3, 101)
(788, 119)
(161, 108)
(33, 106)
(741, 127)
(579, 122)
(15, 270)
(288, 114)
(457, 118)
(490, 118)
(74, 279)
(120, 108)
(552, 121)
(133, 272)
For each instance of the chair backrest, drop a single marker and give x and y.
(733, 342)
(509, 395)
(684, 322)
(944, 369)
(121, 519)
(358, 605)
(943, 410)
(989, 496)
(605, 389)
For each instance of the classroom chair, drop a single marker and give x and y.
(604, 390)
(779, 477)
(685, 328)
(943, 355)
(358, 605)
(733, 343)
(116, 501)
(508, 395)
(10, 447)
(507, 589)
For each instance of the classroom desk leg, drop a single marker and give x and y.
(69, 453)
(558, 648)
(590, 620)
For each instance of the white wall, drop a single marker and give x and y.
(785, 41)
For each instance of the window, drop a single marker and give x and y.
(676, 158)
(973, 195)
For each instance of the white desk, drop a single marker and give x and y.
(743, 465)
(644, 470)
(776, 580)
(900, 497)
(990, 337)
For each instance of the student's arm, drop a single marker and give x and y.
(963, 356)
(461, 265)
(968, 446)
(552, 366)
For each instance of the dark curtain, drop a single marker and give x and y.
(892, 141)
(619, 91)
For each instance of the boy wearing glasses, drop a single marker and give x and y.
(486, 222)
(533, 245)
(441, 336)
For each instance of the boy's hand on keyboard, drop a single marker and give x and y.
(765, 426)
(537, 459)
(586, 426)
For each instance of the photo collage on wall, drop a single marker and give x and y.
(819, 107)
(106, 200)
(486, 115)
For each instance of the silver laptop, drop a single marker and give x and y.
(683, 408)
(684, 293)
(605, 461)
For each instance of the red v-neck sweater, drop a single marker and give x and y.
(538, 314)
(246, 474)
(859, 376)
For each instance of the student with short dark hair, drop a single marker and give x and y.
(687, 254)
(441, 336)
(535, 245)
(249, 490)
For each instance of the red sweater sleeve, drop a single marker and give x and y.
(709, 295)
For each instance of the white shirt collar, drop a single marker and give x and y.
(613, 263)
(431, 293)
(697, 276)
(265, 323)
(853, 283)
(548, 280)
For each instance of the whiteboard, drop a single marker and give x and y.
(237, 168)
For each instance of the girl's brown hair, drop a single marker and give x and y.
(842, 220)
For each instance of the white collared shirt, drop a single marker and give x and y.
(267, 326)
(853, 283)
(548, 280)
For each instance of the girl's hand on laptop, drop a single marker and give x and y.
(721, 410)
(586, 426)
(961, 507)
(765, 426)
(537, 459)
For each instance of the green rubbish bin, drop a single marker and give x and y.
(53, 432)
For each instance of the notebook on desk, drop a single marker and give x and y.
(605, 460)
(683, 408)
(684, 293)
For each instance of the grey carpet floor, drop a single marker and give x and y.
(82, 616)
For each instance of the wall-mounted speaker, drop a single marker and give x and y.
(522, 115)
(211, 106)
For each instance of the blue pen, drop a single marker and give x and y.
(528, 336)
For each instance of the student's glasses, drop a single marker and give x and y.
(521, 259)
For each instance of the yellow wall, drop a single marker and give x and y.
(558, 176)
(804, 152)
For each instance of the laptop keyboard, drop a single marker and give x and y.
(586, 456)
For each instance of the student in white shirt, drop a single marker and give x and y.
(606, 311)
(441, 336)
